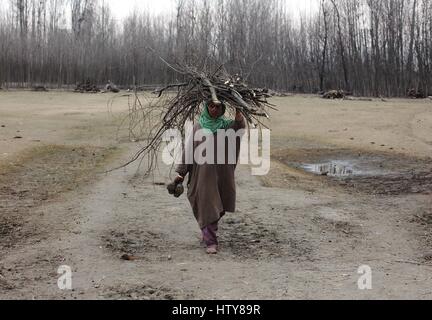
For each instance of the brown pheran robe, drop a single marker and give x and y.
(211, 187)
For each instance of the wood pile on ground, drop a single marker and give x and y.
(415, 93)
(111, 87)
(335, 94)
(40, 89)
(87, 87)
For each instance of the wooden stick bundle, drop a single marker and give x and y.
(173, 109)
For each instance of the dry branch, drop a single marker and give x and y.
(172, 109)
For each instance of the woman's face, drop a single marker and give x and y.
(215, 110)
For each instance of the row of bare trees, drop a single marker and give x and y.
(369, 47)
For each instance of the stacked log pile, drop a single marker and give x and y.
(40, 89)
(87, 87)
(416, 93)
(335, 94)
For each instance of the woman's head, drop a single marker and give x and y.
(216, 110)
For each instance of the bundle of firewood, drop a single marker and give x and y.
(218, 87)
(177, 103)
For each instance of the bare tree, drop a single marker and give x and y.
(372, 47)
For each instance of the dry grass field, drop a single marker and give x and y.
(298, 234)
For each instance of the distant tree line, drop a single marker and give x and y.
(368, 47)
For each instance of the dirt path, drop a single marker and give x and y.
(295, 235)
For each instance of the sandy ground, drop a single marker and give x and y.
(296, 235)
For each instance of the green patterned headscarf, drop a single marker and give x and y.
(213, 125)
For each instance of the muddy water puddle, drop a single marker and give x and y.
(341, 168)
(333, 168)
(372, 173)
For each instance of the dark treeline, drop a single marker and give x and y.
(369, 47)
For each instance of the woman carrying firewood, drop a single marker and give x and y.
(211, 186)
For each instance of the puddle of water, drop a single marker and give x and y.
(372, 173)
(347, 168)
(334, 169)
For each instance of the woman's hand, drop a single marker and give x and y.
(176, 188)
(179, 179)
(239, 116)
